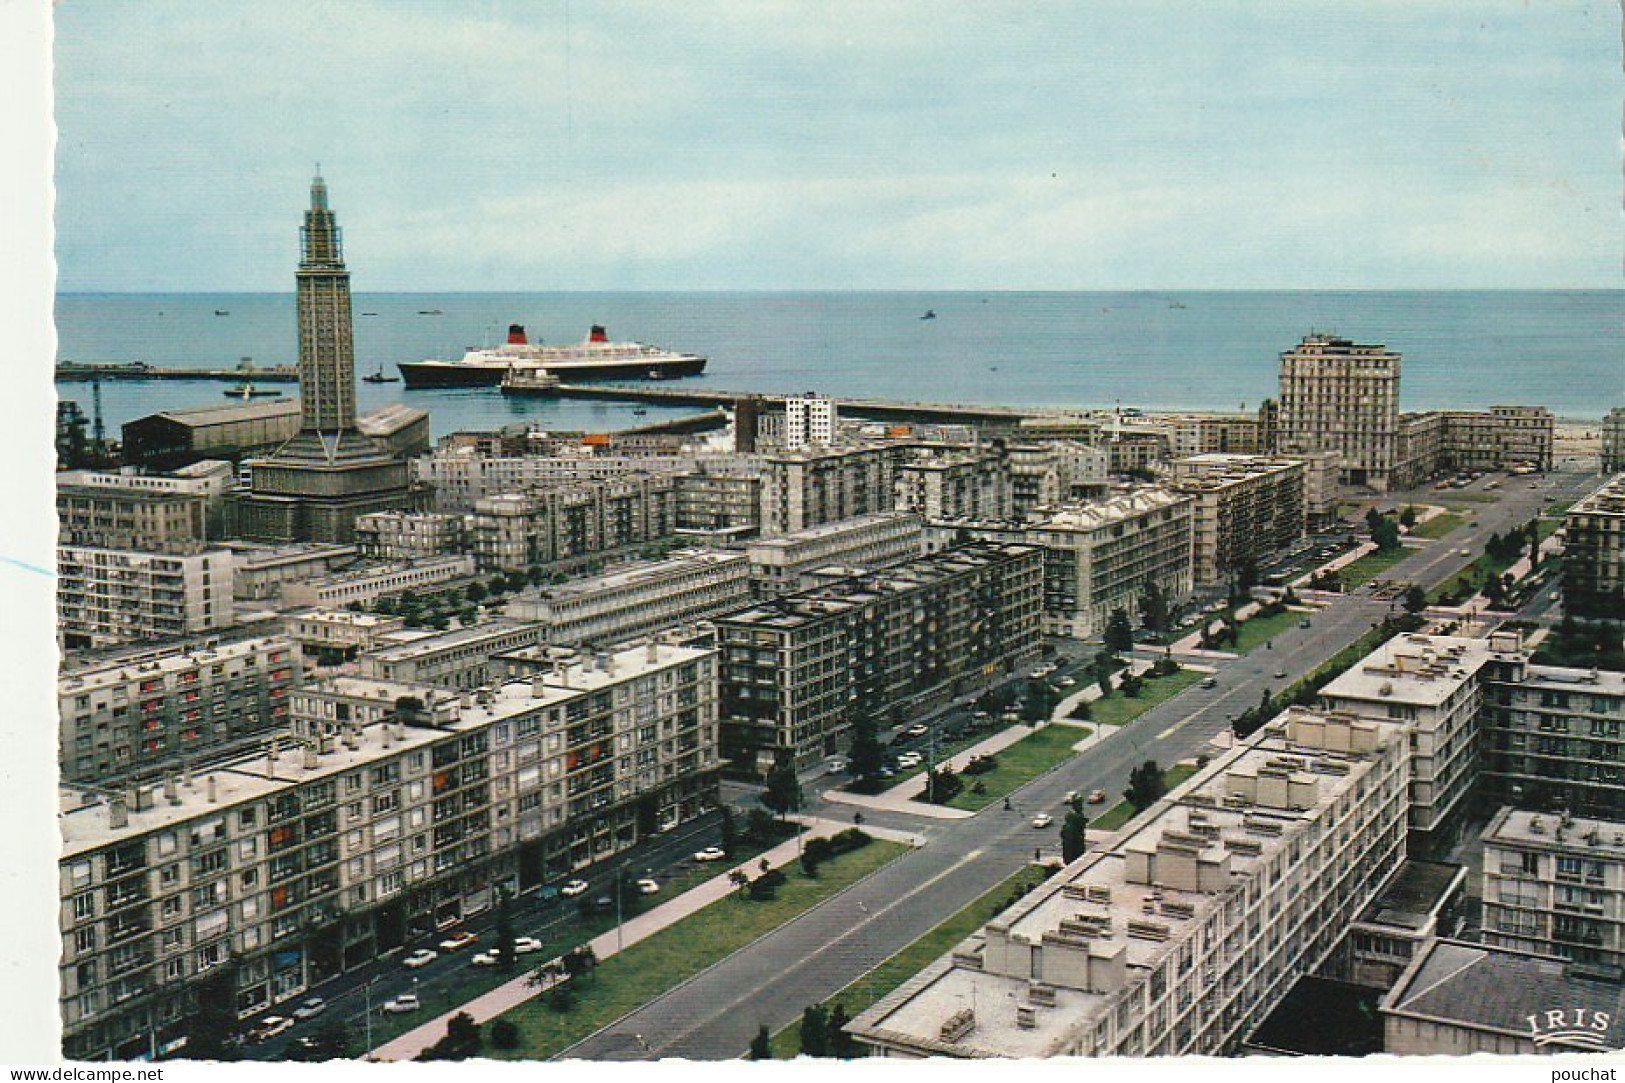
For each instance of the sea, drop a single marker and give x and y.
(1209, 351)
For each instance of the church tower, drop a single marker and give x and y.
(326, 341)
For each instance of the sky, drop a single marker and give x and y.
(484, 145)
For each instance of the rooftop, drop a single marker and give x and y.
(829, 530)
(457, 637)
(140, 663)
(1528, 830)
(1418, 670)
(1607, 499)
(1413, 897)
(1114, 509)
(1497, 990)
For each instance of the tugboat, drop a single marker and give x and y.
(529, 380)
(380, 377)
(930, 314)
(221, 312)
(249, 391)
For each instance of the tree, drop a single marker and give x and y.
(439, 622)
(761, 1046)
(1372, 518)
(865, 757)
(1154, 608)
(1246, 575)
(215, 1019)
(741, 880)
(1145, 785)
(498, 585)
(1495, 590)
(475, 592)
(815, 1031)
(783, 793)
(1386, 534)
(1105, 685)
(841, 1044)
(1119, 635)
(505, 1034)
(505, 933)
(1416, 599)
(1407, 518)
(463, 1033)
(1074, 841)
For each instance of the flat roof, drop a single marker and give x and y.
(456, 637)
(1557, 833)
(1414, 895)
(1418, 670)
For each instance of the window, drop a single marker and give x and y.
(84, 907)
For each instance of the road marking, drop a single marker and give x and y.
(869, 917)
(1187, 720)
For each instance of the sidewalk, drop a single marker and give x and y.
(513, 993)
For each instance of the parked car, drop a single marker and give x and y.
(834, 765)
(524, 945)
(1304, 623)
(310, 1009)
(1043, 819)
(406, 1002)
(1067, 682)
(919, 729)
(573, 888)
(458, 941)
(603, 904)
(648, 887)
(269, 1028)
(1097, 797)
(486, 958)
(711, 853)
(421, 957)
(910, 759)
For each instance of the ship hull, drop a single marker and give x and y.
(418, 374)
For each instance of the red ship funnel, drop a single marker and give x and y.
(598, 334)
(516, 334)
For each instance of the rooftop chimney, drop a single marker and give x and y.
(651, 651)
(171, 794)
(208, 785)
(118, 812)
(311, 760)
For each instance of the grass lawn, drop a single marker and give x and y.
(1455, 496)
(869, 988)
(1120, 710)
(945, 749)
(652, 967)
(1438, 526)
(1122, 812)
(460, 985)
(1257, 631)
(1019, 764)
(1371, 566)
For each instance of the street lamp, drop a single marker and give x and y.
(367, 1054)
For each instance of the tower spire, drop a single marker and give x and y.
(326, 344)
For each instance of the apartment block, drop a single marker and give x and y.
(1213, 434)
(1434, 685)
(795, 668)
(1497, 439)
(401, 809)
(1101, 557)
(464, 474)
(814, 486)
(571, 525)
(135, 712)
(334, 636)
(1613, 441)
(809, 421)
(1594, 553)
(637, 599)
(456, 659)
(1343, 396)
(154, 512)
(1049, 473)
(1554, 884)
(955, 483)
(106, 597)
(789, 562)
(258, 572)
(365, 584)
(1186, 932)
(710, 501)
(1244, 508)
(409, 535)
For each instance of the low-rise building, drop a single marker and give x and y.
(140, 711)
(1459, 998)
(789, 562)
(365, 584)
(637, 599)
(259, 572)
(1187, 931)
(106, 597)
(334, 636)
(1594, 553)
(1554, 884)
(459, 659)
(797, 667)
(401, 809)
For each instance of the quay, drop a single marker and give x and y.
(873, 409)
(70, 372)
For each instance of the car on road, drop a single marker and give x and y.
(834, 766)
(421, 957)
(310, 1009)
(1067, 682)
(406, 1002)
(919, 729)
(1210, 681)
(573, 888)
(603, 904)
(524, 945)
(486, 958)
(1071, 796)
(1304, 623)
(269, 1028)
(1097, 797)
(1466, 552)
(648, 887)
(910, 759)
(711, 853)
(1280, 673)
(1043, 819)
(458, 941)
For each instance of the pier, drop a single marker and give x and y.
(873, 409)
(72, 372)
